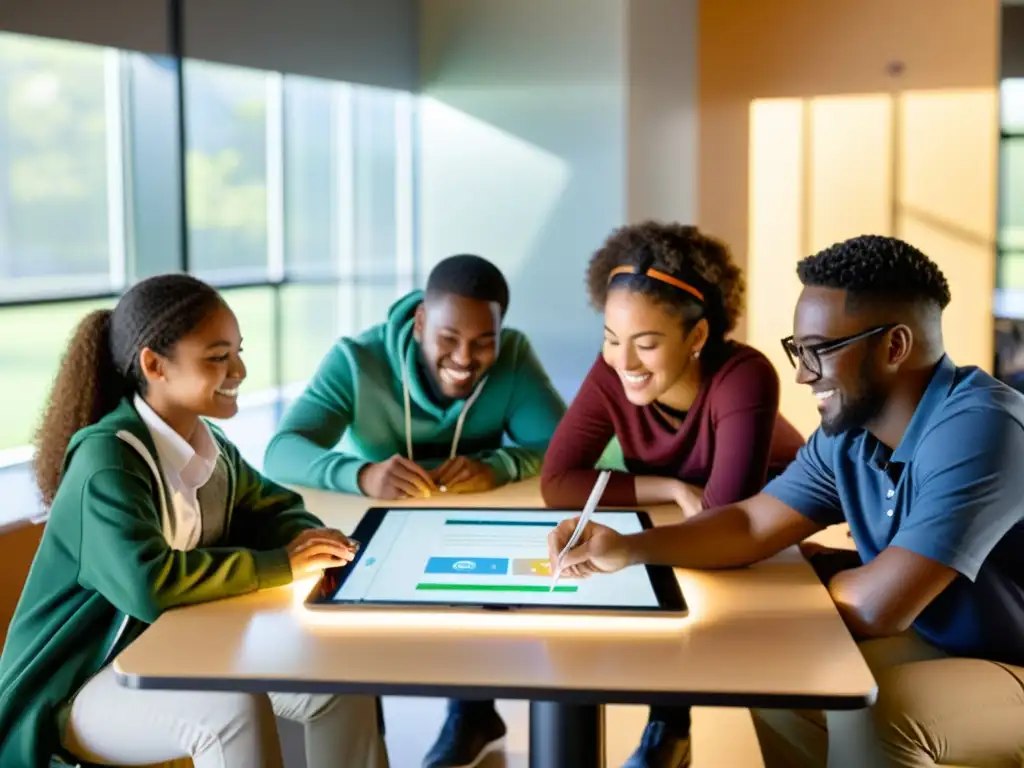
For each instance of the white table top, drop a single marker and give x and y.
(762, 636)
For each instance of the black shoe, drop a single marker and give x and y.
(660, 749)
(466, 739)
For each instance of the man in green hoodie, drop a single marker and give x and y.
(438, 387)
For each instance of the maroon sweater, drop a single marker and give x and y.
(731, 440)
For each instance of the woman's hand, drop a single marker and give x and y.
(688, 497)
(315, 549)
(654, 489)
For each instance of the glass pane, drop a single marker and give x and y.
(253, 426)
(361, 307)
(154, 167)
(375, 160)
(53, 167)
(1011, 101)
(310, 198)
(251, 429)
(226, 170)
(1011, 194)
(1010, 271)
(254, 308)
(309, 321)
(19, 492)
(29, 362)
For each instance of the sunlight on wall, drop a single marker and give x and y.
(775, 202)
(499, 188)
(851, 167)
(948, 206)
(918, 165)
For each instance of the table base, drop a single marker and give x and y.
(566, 735)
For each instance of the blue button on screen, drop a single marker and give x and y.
(470, 566)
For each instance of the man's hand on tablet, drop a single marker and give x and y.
(600, 549)
(396, 478)
(318, 548)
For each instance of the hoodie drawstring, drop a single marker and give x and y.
(458, 424)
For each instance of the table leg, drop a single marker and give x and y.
(566, 735)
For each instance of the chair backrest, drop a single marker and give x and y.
(18, 544)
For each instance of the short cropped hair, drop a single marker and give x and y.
(469, 276)
(877, 268)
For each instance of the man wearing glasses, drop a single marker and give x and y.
(925, 461)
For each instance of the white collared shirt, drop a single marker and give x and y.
(187, 467)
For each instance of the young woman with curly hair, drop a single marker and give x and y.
(696, 416)
(152, 508)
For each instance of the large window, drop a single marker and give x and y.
(58, 168)
(32, 342)
(374, 173)
(226, 149)
(1010, 279)
(291, 194)
(316, 157)
(1009, 304)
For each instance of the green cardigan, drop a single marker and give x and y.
(104, 571)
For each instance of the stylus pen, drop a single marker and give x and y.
(588, 511)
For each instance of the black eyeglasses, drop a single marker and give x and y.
(809, 355)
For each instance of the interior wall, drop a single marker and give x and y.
(372, 43)
(1012, 32)
(522, 136)
(821, 121)
(542, 127)
(661, 98)
(137, 25)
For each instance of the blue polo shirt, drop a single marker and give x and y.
(952, 491)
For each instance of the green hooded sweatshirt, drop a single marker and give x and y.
(358, 397)
(104, 570)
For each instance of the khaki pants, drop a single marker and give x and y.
(932, 710)
(113, 725)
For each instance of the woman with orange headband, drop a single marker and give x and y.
(694, 415)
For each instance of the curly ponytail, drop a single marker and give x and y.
(101, 365)
(87, 387)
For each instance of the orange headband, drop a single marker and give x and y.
(658, 275)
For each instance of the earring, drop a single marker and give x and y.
(696, 354)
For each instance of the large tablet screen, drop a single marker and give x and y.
(485, 557)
